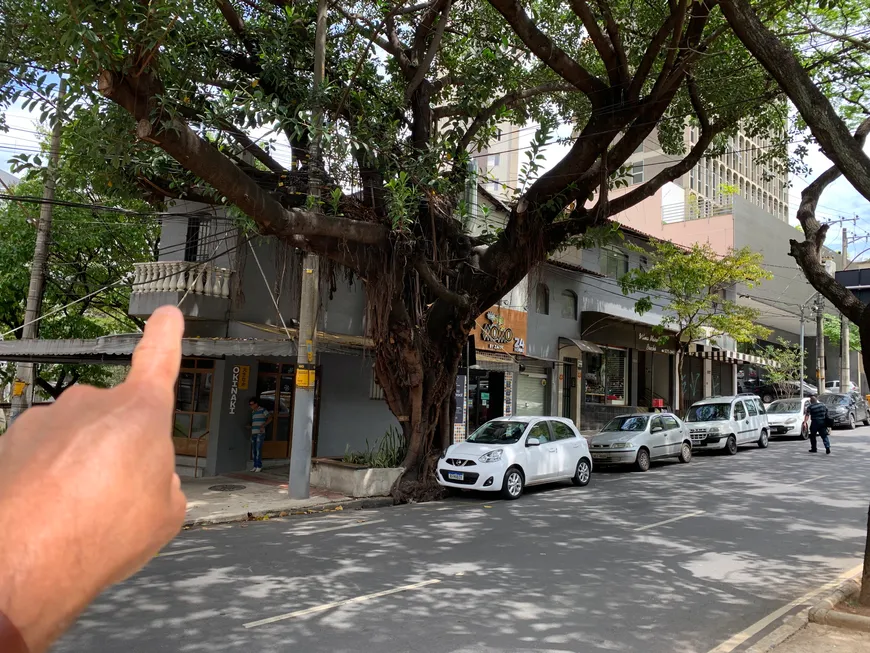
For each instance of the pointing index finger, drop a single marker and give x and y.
(157, 358)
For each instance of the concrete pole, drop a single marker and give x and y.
(820, 342)
(309, 303)
(26, 372)
(845, 371)
(801, 384)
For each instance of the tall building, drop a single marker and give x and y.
(498, 165)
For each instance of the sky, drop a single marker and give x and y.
(839, 201)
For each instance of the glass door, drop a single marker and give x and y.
(192, 405)
(275, 383)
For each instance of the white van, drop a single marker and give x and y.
(728, 422)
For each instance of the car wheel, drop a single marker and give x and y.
(851, 422)
(805, 432)
(731, 445)
(512, 488)
(642, 462)
(583, 473)
(764, 440)
(686, 453)
(867, 421)
(767, 398)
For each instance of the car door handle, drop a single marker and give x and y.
(551, 448)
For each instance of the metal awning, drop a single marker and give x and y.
(727, 356)
(582, 345)
(495, 361)
(119, 349)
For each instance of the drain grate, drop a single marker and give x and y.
(226, 488)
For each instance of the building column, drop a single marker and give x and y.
(229, 440)
(708, 377)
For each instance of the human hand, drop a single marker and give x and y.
(88, 489)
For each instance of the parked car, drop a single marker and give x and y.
(834, 386)
(638, 439)
(773, 391)
(509, 453)
(788, 417)
(728, 422)
(846, 409)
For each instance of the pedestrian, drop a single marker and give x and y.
(260, 419)
(818, 413)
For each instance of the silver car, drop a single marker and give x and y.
(639, 439)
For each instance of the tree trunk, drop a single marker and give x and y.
(864, 599)
(681, 358)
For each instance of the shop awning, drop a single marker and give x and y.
(495, 361)
(118, 349)
(737, 357)
(582, 345)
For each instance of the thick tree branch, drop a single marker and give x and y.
(441, 291)
(429, 57)
(816, 110)
(136, 95)
(601, 42)
(550, 53)
(615, 42)
(653, 50)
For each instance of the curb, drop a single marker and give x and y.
(353, 504)
(821, 610)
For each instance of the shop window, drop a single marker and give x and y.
(605, 377)
(193, 398)
(614, 263)
(542, 299)
(637, 173)
(569, 305)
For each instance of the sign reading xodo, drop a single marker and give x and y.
(502, 330)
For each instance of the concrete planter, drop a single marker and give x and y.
(353, 480)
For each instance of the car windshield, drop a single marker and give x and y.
(784, 407)
(627, 423)
(834, 400)
(708, 413)
(502, 432)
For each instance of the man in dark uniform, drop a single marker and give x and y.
(818, 413)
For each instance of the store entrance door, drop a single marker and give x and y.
(485, 398)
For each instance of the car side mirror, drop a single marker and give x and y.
(533, 442)
(657, 429)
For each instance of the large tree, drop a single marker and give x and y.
(190, 89)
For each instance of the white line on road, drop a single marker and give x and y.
(336, 604)
(809, 480)
(337, 528)
(670, 521)
(761, 624)
(183, 551)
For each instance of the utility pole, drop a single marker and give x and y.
(845, 371)
(25, 375)
(309, 302)
(820, 342)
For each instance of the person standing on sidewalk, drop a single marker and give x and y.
(818, 413)
(260, 419)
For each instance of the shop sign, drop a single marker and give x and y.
(503, 330)
(651, 342)
(234, 388)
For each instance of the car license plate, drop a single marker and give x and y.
(601, 458)
(455, 476)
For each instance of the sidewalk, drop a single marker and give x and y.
(820, 639)
(211, 501)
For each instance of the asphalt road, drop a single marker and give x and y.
(562, 569)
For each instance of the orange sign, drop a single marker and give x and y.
(501, 329)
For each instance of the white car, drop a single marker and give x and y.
(728, 422)
(834, 386)
(508, 453)
(637, 439)
(788, 417)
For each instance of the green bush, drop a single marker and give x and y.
(390, 451)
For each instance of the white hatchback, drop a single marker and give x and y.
(508, 453)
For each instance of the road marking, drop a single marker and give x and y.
(336, 604)
(183, 551)
(761, 624)
(670, 521)
(337, 528)
(809, 480)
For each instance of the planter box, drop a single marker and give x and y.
(353, 480)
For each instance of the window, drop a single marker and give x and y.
(739, 411)
(637, 173)
(643, 263)
(692, 179)
(751, 407)
(562, 431)
(569, 305)
(193, 398)
(670, 422)
(656, 424)
(639, 148)
(493, 161)
(542, 299)
(614, 263)
(498, 134)
(605, 377)
(540, 431)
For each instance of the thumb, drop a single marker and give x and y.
(157, 358)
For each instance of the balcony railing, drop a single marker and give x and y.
(182, 277)
(695, 210)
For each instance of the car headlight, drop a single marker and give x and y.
(622, 445)
(491, 456)
(444, 454)
(791, 420)
(714, 430)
